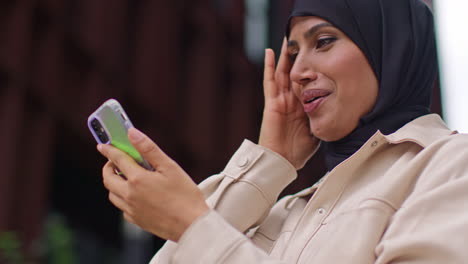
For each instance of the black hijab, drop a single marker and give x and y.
(397, 37)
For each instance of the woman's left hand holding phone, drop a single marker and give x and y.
(164, 202)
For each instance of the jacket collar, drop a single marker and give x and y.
(422, 131)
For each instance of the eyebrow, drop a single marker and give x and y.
(312, 31)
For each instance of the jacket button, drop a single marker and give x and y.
(321, 211)
(242, 162)
(374, 143)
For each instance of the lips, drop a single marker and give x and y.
(311, 99)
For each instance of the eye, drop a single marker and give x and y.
(325, 41)
(292, 57)
(292, 53)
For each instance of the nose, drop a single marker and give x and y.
(302, 71)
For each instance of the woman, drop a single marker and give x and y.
(361, 74)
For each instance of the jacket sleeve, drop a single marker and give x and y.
(241, 196)
(432, 224)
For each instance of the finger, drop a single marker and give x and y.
(283, 69)
(148, 149)
(115, 169)
(269, 86)
(120, 173)
(119, 158)
(128, 218)
(114, 183)
(118, 202)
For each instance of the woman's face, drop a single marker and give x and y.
(330, 76)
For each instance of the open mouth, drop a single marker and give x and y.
(312, 95)
(313, 98)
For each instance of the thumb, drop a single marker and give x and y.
(147, 148)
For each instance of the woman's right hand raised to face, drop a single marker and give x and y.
(285, 126)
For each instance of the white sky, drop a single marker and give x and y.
(452, 36)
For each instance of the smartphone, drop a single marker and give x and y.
(109, 124)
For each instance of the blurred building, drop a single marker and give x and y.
(178, 67)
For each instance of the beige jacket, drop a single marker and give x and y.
(402, 198)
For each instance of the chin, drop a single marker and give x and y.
(326, 133)
(327, 138)
(320, 134)
(331, 129)
(319, 130)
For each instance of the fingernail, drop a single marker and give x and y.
(99, 147)
(134, 134)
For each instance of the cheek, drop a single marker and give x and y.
(348, 68)
(356, 90)
(354, 78)
(296, 90)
